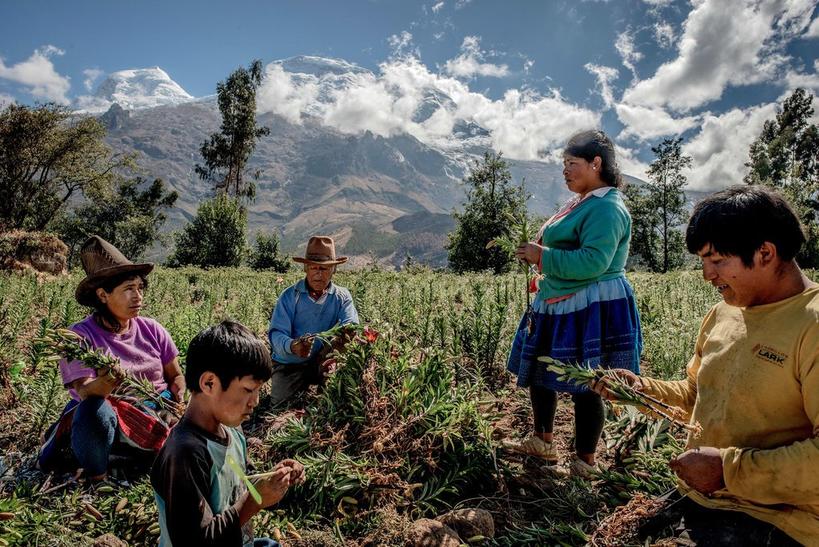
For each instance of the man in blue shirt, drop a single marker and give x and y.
(313, 305)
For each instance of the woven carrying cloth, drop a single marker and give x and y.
(598, 326)
(138, 427)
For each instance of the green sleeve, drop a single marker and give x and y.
(601, 233)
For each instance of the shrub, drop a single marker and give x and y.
(266, 255)
(215, 237)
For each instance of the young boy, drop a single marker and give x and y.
(201, 499)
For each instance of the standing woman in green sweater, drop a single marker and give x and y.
(584, 311)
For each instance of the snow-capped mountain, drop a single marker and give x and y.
(390, 189)
(136, 89)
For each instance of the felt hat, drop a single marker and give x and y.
(101, 261)
(321, 250)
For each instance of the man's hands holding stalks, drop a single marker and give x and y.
(700, 468)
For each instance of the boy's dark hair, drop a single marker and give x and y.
(738, 220)
(108, 285)
(587, 145)
(229, 350)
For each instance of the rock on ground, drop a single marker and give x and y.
(432, 533)
(470, 522)
(109, 540)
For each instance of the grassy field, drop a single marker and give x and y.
(408, 427)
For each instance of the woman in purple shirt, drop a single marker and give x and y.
(114, 288)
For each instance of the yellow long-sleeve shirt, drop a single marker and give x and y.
(753, 386)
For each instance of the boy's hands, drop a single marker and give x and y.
(273, 487)
(296, 470)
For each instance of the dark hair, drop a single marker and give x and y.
(101, 311)
(592, 143)
(229, 350)
(737, 221)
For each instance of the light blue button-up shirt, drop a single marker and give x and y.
(296, 314)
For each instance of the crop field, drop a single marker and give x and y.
(409, 426)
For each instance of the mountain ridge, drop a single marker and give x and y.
(358, 186)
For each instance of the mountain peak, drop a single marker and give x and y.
(139, 88)
(318, 66)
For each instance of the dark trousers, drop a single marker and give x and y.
(684, 518)
(589, 416)
(289, 380)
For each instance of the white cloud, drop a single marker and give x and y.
(647, 123)
(90, 103)
(527, 65)
(629, 163)
(401, 44)
(38, 75)
(6, 100)
(437, 7)
(470, 62)
(658, 3)
(522, 124)
(724, 43)
(281, 95)
(628, 52)
(91, 76)
(720, 150)
(810, 82)
(526, 125)
(605, 76)
(813, 30)
(460, 4)
(664, 34)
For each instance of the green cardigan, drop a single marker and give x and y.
(589, 244)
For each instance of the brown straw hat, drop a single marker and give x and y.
(321, 250)
(101, 261)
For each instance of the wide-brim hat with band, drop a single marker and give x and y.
(321, 250)
(101, 261)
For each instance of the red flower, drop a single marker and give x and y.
(370, 335)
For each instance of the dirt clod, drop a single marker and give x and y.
(432, 533)
(469, 522)
(109, 540)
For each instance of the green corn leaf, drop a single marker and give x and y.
(238, 470)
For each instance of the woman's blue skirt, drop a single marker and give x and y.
(598, 326)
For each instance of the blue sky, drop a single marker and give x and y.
(532, 72)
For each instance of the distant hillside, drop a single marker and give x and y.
(387, 196)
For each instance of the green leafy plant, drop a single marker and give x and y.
(67, 344)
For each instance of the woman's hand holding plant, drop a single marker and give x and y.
(529, 252)
(177, 387)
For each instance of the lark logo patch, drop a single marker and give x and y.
(767, 353)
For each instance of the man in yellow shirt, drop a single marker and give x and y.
(752, 476)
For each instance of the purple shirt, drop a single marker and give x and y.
(143, 350)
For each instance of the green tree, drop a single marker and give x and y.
(267, 255)
(227, 152)
(491, 201)
(658, 209)
(46, 158)
(785, 156)
(666, 185)
(644, 223)
(215, 237)
(129, 217)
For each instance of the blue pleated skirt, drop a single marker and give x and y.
(598, 326)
